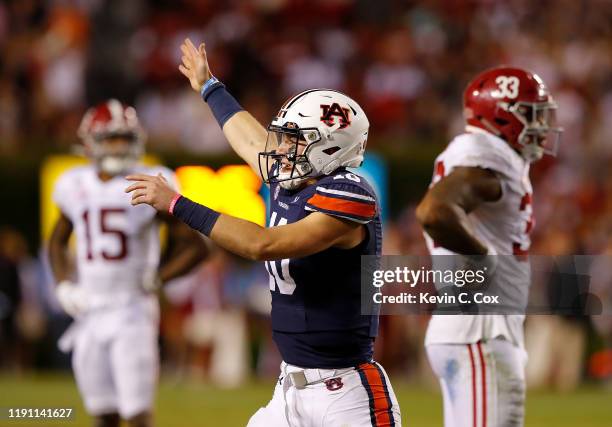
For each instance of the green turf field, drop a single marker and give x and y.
(194, 404)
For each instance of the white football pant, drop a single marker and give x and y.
(115, 360)
(351, 397)
(483, 384)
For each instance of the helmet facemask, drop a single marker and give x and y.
(113, 157)
(285, 159)
(539, 135)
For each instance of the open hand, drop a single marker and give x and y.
(152, 190)
(195, 64)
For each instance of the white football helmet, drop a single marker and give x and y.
(112, 119)
(325, 129)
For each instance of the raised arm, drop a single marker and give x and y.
(244, 133)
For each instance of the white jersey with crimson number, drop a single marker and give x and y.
(117, 244)
(503, 225)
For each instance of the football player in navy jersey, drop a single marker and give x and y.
(323, 218)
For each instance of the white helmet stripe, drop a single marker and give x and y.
(306, 92)
(116, 110)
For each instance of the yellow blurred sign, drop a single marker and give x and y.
(233, 190)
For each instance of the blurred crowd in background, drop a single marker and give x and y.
(405, 62)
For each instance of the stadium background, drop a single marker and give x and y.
(406, 63)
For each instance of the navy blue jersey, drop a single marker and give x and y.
(316, 300)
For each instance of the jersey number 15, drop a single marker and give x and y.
(105, 228)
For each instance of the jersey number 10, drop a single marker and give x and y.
(279, 270)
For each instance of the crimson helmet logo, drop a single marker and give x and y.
(334, 110)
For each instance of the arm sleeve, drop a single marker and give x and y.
(344, 200)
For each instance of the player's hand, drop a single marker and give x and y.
(194, 64)
(152, 190)
(72, 298)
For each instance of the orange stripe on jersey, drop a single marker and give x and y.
(350, 207)
(380, 403)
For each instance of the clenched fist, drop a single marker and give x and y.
(195, 64)
(152, 190)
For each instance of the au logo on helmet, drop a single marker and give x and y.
(334, 110)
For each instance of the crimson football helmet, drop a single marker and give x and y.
(515, 105)
(111, 120)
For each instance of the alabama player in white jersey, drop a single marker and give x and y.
(112, 295)
(479, 206)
